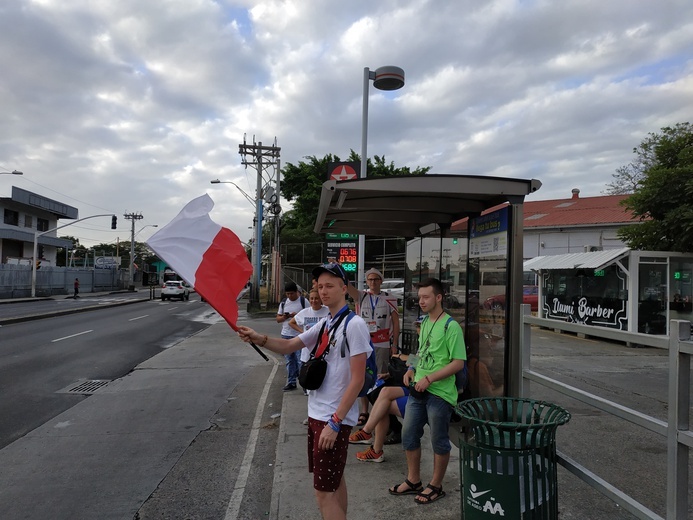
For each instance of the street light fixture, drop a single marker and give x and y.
(13, 172)
(148, 225)
(250, 199)
(384, 78)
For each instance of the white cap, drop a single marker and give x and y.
(373, 270)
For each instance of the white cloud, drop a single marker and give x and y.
(136, 106)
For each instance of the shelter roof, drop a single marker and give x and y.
(412, 205)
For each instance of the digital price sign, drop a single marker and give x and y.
(344, 248)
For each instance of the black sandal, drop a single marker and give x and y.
(435, 494)
(363, 419)
(414, 489)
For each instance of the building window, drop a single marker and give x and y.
(41, 224)
(11, 217)
(28, 221)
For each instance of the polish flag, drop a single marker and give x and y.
(209, 257)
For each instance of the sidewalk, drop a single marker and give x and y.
(367, 482)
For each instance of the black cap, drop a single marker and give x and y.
(334, 269)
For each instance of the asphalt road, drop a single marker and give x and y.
(41, 359)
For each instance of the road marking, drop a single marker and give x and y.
(139, 317)
(234, 506)
(72, 336)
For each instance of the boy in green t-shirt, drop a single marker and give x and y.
(433, 393)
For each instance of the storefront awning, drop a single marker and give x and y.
(592, 260)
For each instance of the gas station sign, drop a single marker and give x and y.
(343, 247)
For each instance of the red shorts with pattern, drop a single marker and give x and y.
(327, 466)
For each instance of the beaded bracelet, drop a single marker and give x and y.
(264, 341)
(333, 425)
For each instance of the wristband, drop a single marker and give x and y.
(264, 341)
(336, 418)
(333, 425)
(411, 368)
(429, 381)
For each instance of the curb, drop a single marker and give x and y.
(31, 317)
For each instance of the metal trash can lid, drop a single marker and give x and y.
(513, 423)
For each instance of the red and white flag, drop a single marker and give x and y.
(209, 257)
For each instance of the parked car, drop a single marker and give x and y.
(175, 289)
(394, 287)
(530, 296)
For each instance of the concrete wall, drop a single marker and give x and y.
(15, 280)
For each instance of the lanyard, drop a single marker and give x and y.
(325, 340)
(373, 305)
(427, 342)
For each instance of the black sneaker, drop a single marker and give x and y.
(289, 387)
(393, 438)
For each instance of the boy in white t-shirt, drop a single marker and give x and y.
(332, 408)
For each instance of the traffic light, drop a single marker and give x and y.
(38, 264)
(454, 240)
(114, 222)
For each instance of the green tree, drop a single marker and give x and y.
(301, 184)
(663, 199)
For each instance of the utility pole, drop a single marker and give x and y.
(133, 217)
(261, 158)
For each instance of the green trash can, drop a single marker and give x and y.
(508, 458)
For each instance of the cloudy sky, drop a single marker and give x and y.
(134, 106)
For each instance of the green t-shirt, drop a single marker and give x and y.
(438, 346)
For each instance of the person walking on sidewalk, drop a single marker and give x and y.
(288, 308)
(433, 393)
(332, 408)
(76, 285)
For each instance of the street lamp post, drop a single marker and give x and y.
(256, 251)
(37, 234)
(384, 78)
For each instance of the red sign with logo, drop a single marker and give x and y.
(343, 171)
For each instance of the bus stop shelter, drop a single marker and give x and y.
(427, 206)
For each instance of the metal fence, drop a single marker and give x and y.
(676, 429)
(15, 280)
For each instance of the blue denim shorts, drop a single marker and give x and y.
(431, 410)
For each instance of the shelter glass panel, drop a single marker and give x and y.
(653, 297)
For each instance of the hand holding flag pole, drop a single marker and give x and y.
(208, 256)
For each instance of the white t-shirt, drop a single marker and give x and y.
(309, 317)
(377, 311)
(290, 306)
(306, 319)
(323, 402)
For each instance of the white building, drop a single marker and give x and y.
(25, 213)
